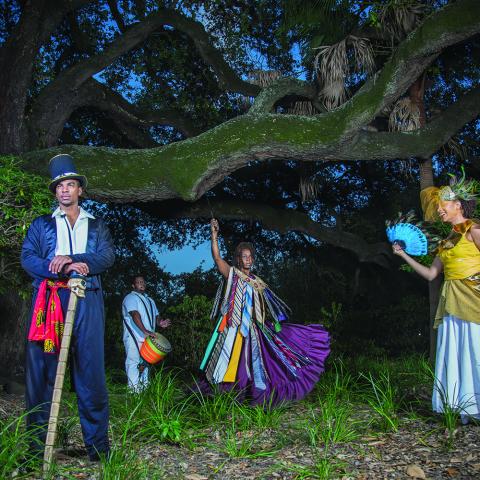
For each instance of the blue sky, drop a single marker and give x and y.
(185, 259)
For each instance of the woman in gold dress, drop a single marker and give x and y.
(457, 366)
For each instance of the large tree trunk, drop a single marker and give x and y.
(14, 312)
(17, 60)
(18, 57)
(416, 93)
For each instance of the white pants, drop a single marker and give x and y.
(136, 381)
(457, 369)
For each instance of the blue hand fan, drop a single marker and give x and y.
(409, 237)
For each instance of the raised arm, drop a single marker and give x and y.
(428, 273)
(222, 265)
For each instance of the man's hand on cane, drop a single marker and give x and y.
(79, 267)
(58, 263)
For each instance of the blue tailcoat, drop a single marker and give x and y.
(87, 347)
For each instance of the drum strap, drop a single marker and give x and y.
(127, 326)
(149, 311)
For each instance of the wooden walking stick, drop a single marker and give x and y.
(77, 287)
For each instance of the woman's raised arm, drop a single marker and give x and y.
(428, 273)
(222, 266)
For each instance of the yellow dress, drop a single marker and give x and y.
(457, 366)
(460, 295)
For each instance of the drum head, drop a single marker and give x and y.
(161, 343)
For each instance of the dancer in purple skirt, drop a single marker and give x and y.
(267, 361)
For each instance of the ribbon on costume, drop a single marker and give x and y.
(259, 372)
(47, 319)
(236, 316)
(225, 355)
(247, 311)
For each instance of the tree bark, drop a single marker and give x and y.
(16, 65)
(129, 118)
(14, 312)
(187, 169)
(17, 60)
(56, 101)
(417, 96)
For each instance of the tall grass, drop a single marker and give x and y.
(337, 381)
(68, 421)
(383, 400)
(123, 462)
(215, 409)
(165, 409)
(331, 418)
(168, 411)
(16, 455)
(323, 468)
(332, 423)
(452, 410)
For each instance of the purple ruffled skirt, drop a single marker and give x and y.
(311, 341)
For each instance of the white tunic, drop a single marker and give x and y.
(147, 309)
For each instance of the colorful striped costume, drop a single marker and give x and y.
(266, 360)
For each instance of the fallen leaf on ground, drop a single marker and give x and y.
(453, 472)
(415, 471)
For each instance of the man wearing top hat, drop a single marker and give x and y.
(57, 245)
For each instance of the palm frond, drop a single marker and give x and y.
(405, 116)
(332, 65)
(398, 18)
(331, 61)
(308, 189)
(303, 107)
(454, 147)
(363, 53)
(305, 13)
(334, 94)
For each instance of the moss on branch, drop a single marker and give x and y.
(188, 168)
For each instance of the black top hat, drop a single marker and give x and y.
(61, 168)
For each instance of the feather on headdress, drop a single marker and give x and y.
(459, 189)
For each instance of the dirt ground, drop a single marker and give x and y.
(420, 449)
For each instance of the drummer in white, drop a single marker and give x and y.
(140, 316)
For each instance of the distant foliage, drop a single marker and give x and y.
(23, 197)
(190, 331)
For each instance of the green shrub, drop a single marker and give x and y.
(23, 196)
(190, 331)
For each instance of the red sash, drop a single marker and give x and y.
(47, 320)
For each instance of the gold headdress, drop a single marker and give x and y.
(459, 189)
